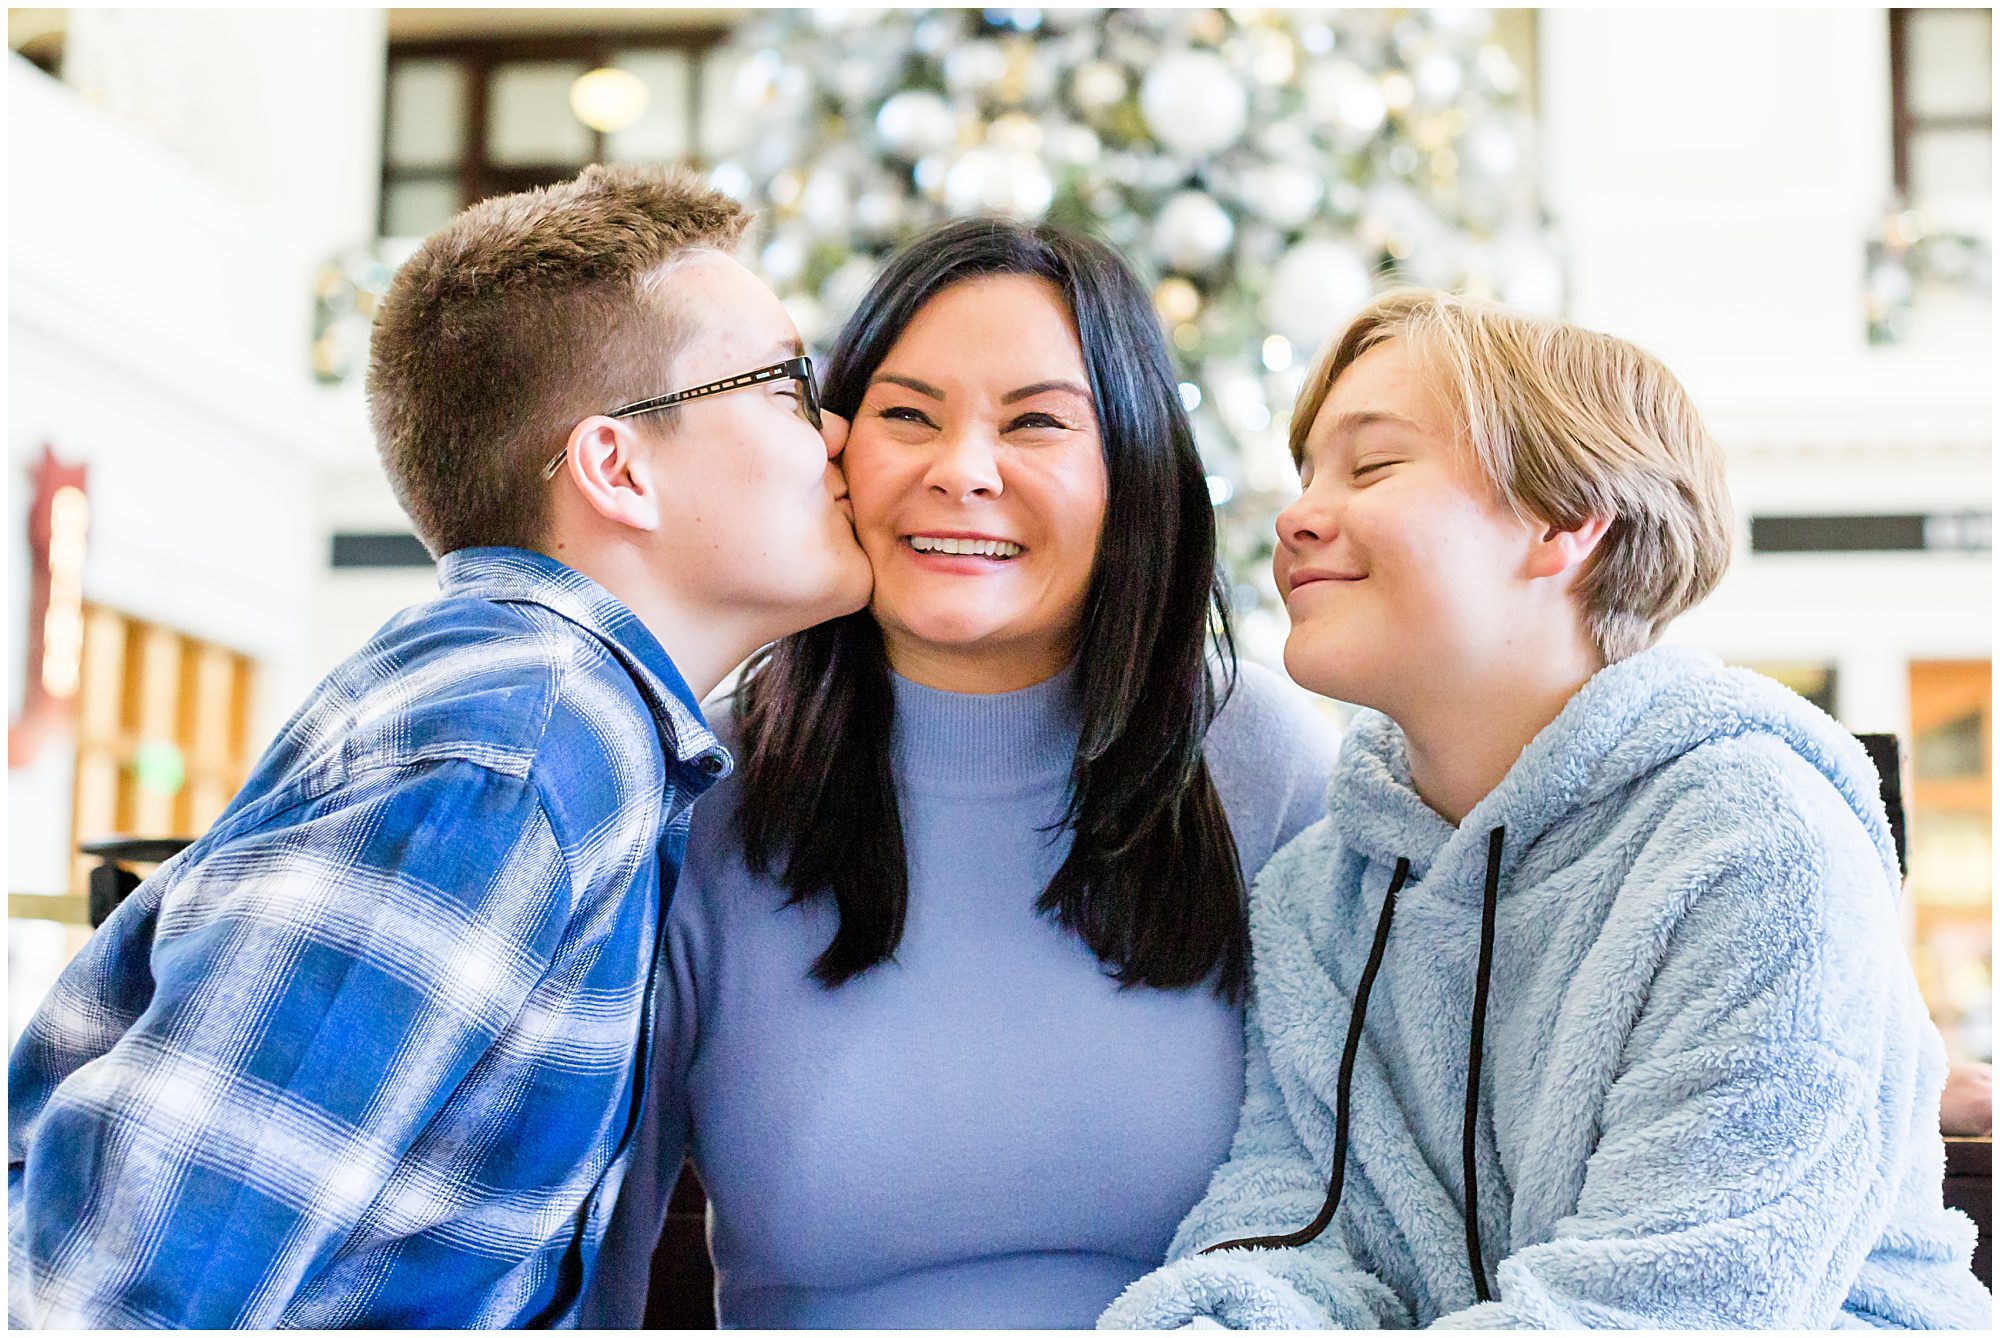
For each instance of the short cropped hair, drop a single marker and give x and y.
(519, 318)
(1566, 424)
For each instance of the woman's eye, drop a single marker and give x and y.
(1034, 420)
(903, 413)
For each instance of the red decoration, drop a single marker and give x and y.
(58, 529)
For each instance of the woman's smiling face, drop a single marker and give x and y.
(978, 482)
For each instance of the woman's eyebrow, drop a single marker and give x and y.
(1041, 387)
(908, 382)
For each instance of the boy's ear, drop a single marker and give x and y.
(1561, 551)
(615, 471)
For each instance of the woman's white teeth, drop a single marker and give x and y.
(988, 548)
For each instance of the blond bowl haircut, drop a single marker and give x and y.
(1566, 424)
(518, 319)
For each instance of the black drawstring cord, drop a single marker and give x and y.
(1486, 919)
(1344, 1092)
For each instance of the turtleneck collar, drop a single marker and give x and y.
(958, 742)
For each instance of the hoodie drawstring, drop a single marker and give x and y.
(1475, 1058)
(1344, 1091)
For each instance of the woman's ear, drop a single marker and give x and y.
(615, 471)
(1562, 551)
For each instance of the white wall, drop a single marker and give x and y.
(1715, 175)
(164, 230)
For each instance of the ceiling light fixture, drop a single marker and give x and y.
(607, 100)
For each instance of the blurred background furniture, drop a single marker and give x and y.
(113, 879)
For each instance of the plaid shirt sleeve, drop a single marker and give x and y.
(323, 980)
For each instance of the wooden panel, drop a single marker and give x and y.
(206, 798)
(101, 694)
(1951, 847)
(211, 697)
(157, 694)
(143, 684)
(95, 813)
(239, 720)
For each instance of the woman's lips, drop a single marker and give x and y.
(956, 549)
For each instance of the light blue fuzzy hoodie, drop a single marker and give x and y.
(1710, 1089)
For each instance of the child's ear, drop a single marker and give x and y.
(1560, 550)
(615, 471)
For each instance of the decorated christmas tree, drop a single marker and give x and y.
(1263, 170)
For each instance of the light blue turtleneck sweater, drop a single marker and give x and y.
(986, 1132)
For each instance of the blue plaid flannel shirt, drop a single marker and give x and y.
(367, 1054)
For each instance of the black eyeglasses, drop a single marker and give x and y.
(799, 369)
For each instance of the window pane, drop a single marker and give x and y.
(1954, 750)
(418, 208)
(426, 100)
(529, 120)
(1951, 856)
(1950, 165)
(660, 135)
(1951, 62)
(1814, 682)
(724, 126)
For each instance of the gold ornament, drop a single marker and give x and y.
(1177, 301)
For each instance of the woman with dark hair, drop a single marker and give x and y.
(953, 1034)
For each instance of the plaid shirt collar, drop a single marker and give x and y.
(524, 576)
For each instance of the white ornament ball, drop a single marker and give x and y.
(916, 123)
(1439, 77)
(1194, 103)
(733, 181)
(1342, 96)
(1284, 195)
(756, 83)
(1315, 287)
(975, 67)
(1004, 181)
(1193, 232)
(1492, 151)
(1097, 85)
(827, 201)
(1076, 145)
(878, 214)
(784, 260)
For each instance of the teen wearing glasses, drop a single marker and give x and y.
(958, 949)
(369, 1054)
(1586, 1005)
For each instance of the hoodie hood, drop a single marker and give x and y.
(1631, 719)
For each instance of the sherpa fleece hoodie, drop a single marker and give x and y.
(1707, 1089)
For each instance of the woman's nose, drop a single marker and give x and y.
(966, 465)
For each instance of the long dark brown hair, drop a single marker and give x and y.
(1151, 881)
